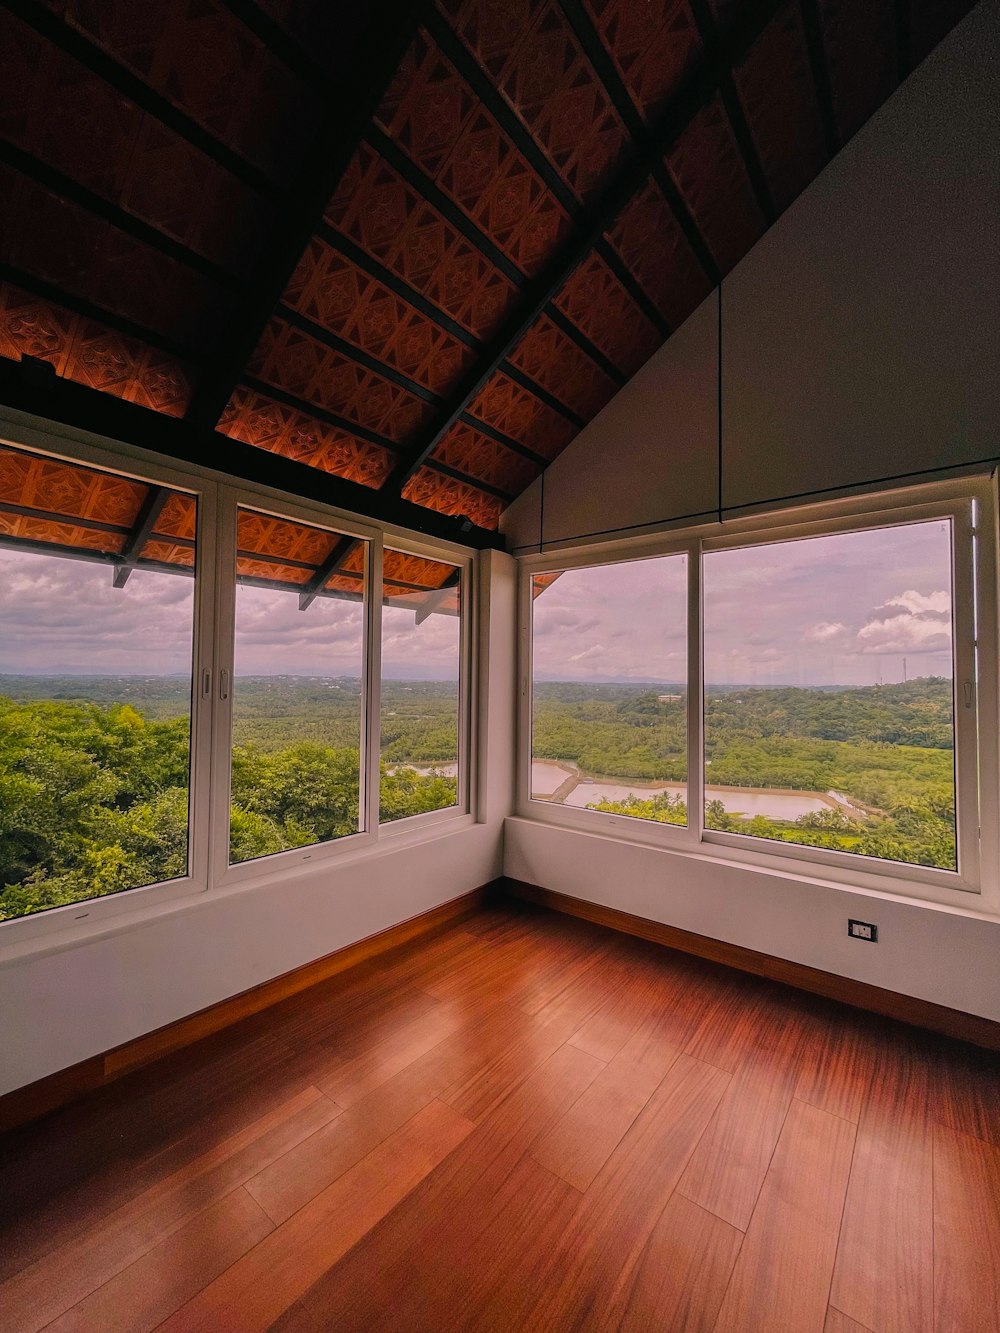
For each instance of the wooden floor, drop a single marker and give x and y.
(523, 1123)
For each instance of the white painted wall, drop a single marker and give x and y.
(860, 342)
(61, 1005)
(940, 954)
(861, 335)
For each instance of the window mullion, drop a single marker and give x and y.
(371, 749)
(696, 698)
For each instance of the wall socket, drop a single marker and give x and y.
(862, 930)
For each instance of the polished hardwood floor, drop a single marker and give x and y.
(524, 1122)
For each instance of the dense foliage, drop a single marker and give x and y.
(94, 795)
(888, 748)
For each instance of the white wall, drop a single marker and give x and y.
(861, 334)
(64, 1005)
(860, 341)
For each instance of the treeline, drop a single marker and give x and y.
(94, 800)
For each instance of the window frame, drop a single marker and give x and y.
(970, 503)
(219, 496)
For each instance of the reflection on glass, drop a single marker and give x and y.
(609, 695)
(421, 668)
(828, 693)
(297, 696)
(96, 635)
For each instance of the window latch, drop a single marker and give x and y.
(969, 693)
(223, 684)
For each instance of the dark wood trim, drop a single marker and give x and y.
(46, 1094)
(859, 994)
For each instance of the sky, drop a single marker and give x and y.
(64, 617)
(839, 610)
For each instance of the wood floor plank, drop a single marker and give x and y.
(617, 1214)
(727, 1170)
(681, 1276)
(781, 1280)
(883, 1277)
(837, 1066)
(399, 1263)
(836, 1322)
(581, 1142)
(151, 1289)
(257, 1289)
(966, 1233)
(53, 1284)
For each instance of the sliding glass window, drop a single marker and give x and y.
(609, 688)
(421, 692)
(97, 604)
(298, 685)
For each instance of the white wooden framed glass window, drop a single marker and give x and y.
(840, 699)
(245, 633)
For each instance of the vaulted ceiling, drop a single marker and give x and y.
(413, 247)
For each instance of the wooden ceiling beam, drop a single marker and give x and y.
(368, 68)
(110, 418)
(701, 86)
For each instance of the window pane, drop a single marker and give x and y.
(421, 672)
(96, 640)
(828, 693)
(297, 686)
(609, 697)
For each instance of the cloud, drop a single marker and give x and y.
(905, 634)
(824, 631)
(919, 603)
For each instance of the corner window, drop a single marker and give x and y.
(807, 690)
(97, 600)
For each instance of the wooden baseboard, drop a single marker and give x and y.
(35, 1099)
(905, 1008)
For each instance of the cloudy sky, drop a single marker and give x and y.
(840, 610)
(64, 617)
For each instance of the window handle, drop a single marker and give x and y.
(206, 683)
(223, 684)
(969, 688)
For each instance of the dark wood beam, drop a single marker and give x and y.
(339, 552)
(368, 67)
(721, 54)
(83, 408)
(145, 521)
(75, 44)
(812, 26)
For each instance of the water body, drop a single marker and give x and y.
(548, 777)
(439, 770)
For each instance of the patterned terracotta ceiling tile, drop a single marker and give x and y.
(601, 308)
(377, 210)
(779, 97)
(654, 47)
(293, 361)
(448, 496)
(60, 534)
(518, 414)
(533, 56)
(656, 252)
(166, 553)
(36, 482)
(266, 535)
(485, 459)
(711, 176)
(436, 118)
(333, 292)
(270, 572)
(260, 421)
(860, 42)
(178, 517)
(558, 364)
(404, 568)
(197, 54)
(80, 253)
(87, 352)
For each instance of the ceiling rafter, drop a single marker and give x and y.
(145, 521)
(99, 413)
(522, 139)
(341, 549)
(282, 44)
(702, 84)
(89, 310)
(813, 28)
(391, 24)
(88, 53)
(60, 184)
(904, 58)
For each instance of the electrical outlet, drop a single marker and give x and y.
(862, 930)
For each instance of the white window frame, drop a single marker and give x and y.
(209, 872)
(975, 885)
